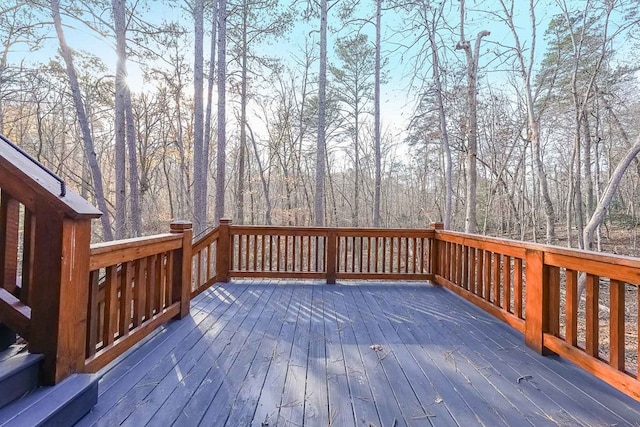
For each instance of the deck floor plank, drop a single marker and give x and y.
(388, 408)
(166, 394)
(341, 412)
(291, 408)
(157, 361)
(246, 401)
(216, 357)
(316, 403)
(268, 353)
(563, 404)
(364, 406)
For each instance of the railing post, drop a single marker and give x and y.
(538, 302)
(181, 286)
(434, 256)
(223, 252)
(9, 218)
(60, 295)
(331, 257)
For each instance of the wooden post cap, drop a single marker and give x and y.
(225, 221)
(437, 226)
(180, 225)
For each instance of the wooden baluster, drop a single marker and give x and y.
(363, 248)
(571, 308)
(384, 254)
(169, 281)
(480, 273)
(517, 287)
(151, 289)
(93, 314)
(247, 252)
(506, 302)
(270, 252)
(9, 221)
(110, 306)
(309, 256)
(592, 329)
(208, 274)
(487, 276)
(28, 251)
(497, 260)
(199, 280)
(473, 288)
(278, 249)
(369, 254)
(286, 253)
(460, 266)
(406, 255)
(316, 252)
(125, 299)
(262, 253)
(338, 253)
(241, 266)
(398, 268)
(160, 278)
(617, 325)
(293, 251)
(255, 252)
(139, 291)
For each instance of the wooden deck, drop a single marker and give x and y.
(374, 354)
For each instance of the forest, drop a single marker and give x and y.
(510, 118)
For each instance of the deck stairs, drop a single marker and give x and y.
(23, 402)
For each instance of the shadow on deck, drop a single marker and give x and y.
(272, 353)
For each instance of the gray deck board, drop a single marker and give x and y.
(267, 353)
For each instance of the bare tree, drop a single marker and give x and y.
(472, 57)
(87, 138)
(199, 159)
(221, 160)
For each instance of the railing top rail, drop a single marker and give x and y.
(324, 230)
(614, 259)
(63, 186)
(135, 242)
(26, 179)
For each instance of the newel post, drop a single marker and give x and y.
(181, 281)
(435, 255)
(60, 290)
(223, 251)
(332, 242)
(538, 302)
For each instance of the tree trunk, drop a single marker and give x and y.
(243, 120)
(377, 132)
(448, 189)
(210, 82)
(472, 122)
(322, 99)
(83, 121)
(612, 186)
(125, 120)
(120, 119)
(199, 160)
(221, 161)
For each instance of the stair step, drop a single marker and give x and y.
(18, 376)
(60, 405)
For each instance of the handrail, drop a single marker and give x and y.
(63, 186)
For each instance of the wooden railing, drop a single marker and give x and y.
(136, 285)
(44, 240)
(311, 253)
(535, 288)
